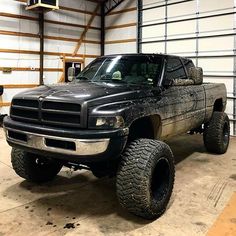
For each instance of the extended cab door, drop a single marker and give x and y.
(183, 100)
(196, 111)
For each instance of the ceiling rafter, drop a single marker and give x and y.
(110, 5)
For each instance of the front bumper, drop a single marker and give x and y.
(68, 144)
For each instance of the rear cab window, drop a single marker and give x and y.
(175, 69)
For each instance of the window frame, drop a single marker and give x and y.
(185, 68)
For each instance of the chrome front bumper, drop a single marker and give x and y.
(70, 146)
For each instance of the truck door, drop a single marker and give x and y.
(196, 106)
(182, 100)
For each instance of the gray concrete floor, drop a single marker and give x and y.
(204, 184)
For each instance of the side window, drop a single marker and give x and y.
(175, 69)
(188, 64)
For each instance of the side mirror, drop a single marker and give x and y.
(71, 74)
(196, 74)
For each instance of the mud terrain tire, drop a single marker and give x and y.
(33, 167)
(217, 133)
(145, 178)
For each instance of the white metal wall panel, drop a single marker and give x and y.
(32, 44)
(121, 33)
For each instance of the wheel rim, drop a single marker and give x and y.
(226, 134)
(160, 180)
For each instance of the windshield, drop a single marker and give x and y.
(123, 69)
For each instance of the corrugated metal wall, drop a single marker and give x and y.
(203, 30)
(24, 60)
(121, 29)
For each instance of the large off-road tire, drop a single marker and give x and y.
(33, 167)
(145, 178)
(217, 133)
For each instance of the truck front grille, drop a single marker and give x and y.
(46, 112)
(25, 109)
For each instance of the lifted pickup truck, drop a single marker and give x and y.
(111, 119)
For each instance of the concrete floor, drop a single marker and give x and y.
(204, 184)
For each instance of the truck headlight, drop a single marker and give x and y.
(106, 122)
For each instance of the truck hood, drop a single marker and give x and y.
(85, 91)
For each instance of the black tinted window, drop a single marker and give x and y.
(124, 69)
(188, 64)
(175, 69)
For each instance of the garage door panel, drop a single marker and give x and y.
(157, 31)
(228, 81)
(210, 5)
(149, 3)
(216, 43)
(217, 65)
(153, 48)
(230, 107)
(185, 27)
(181, 10)
(216, 23)
(153, 15)
(120, 48)
(181, 46)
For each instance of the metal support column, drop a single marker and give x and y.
(139, 26)
(102, 29)
(166, 27)
(41, 35)
(197, 32)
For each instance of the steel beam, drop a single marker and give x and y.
(102, 29)
(110, 5)
(139, 27)
(41, 35)
(234, 71)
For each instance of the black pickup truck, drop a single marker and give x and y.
(113, 119)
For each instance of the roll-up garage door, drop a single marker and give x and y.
(203, 30)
